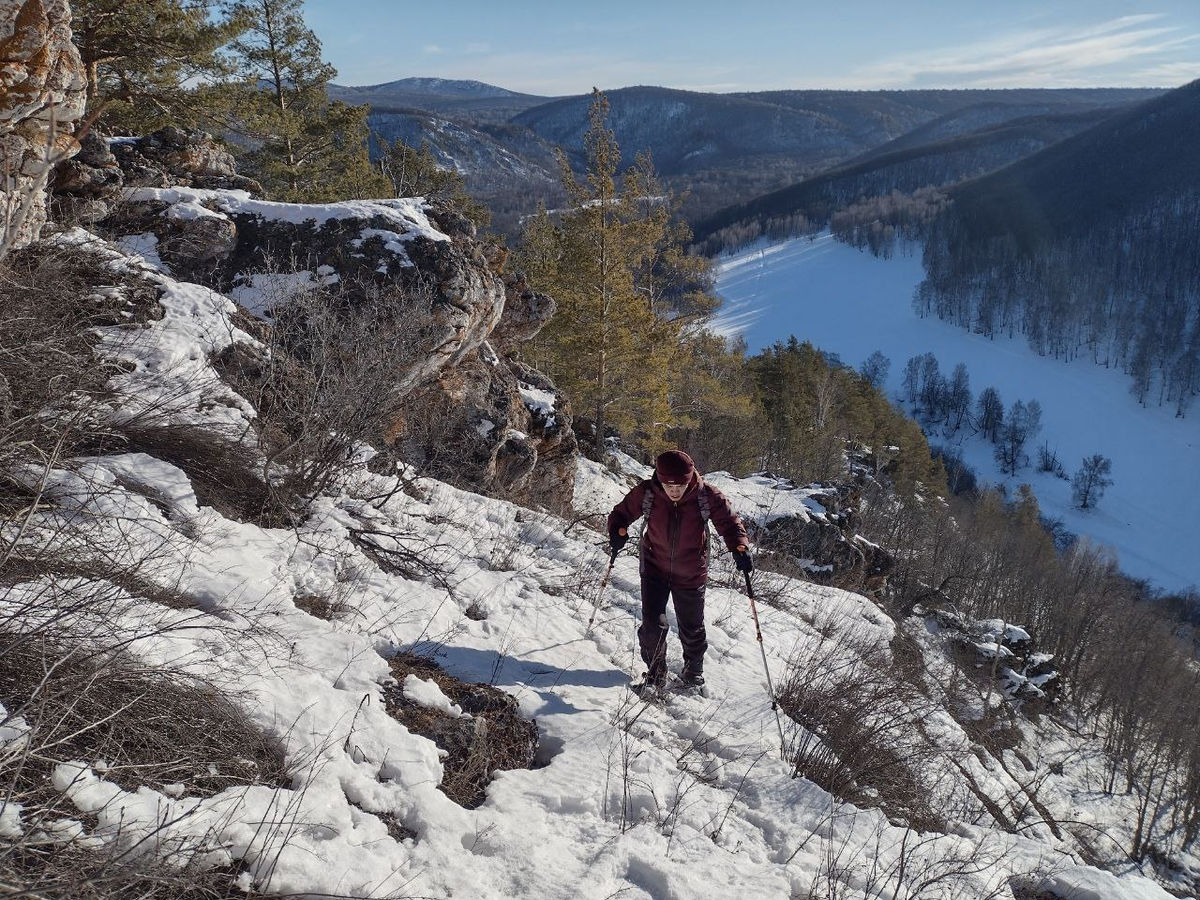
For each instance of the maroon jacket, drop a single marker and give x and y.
(675, 539)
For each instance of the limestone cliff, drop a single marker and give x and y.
(42, 87)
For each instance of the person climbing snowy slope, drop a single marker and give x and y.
(677, 505)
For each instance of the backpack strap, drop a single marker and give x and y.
(647, 502)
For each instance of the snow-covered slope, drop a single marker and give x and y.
(630, 799)
(850, 303)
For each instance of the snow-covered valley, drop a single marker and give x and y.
(849, 303)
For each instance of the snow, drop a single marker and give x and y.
(405, 214)
(764, 498)
(538, 400)
(425, 692)
(261, 293)
(10, 820)
(1081, 883)
(630, 799)
(847, 302)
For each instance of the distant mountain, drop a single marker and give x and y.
(1089, 247)
(1148, 152)
(690, 131)
(718, 148)
(905, 165)
(473, 100)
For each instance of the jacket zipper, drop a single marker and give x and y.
(673, 526)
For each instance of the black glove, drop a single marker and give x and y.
(616, 541)
(741, 557)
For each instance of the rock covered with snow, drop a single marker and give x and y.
(88, 187)
(499, 425)
(41, 96)
(814, 525)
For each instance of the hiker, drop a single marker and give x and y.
(677, 505)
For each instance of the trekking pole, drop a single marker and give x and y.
(600, 593)
(766, 668)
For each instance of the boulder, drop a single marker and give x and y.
(42, 96)
(526, 311)
(84, 187)
(827, 546)
(494, 424)
(472, 416)
(182, 157)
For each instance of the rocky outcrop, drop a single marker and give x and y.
(827, 546)
(87, 189)
(42, 87)
(473, 414)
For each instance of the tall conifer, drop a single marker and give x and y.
(140, 55)
(305, 147)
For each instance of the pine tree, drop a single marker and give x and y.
(141, 55)
(605, 347)
(306, 148)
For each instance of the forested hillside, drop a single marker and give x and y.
(1088, 249)
(901, 174)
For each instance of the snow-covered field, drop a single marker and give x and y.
(848, 302)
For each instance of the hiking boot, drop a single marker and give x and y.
(691, 677)
(652, 682)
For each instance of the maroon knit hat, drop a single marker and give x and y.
(674, 467)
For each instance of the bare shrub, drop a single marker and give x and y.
(53, 295)
(225, 475)
(859, 739)
(495, 737)
(150, 726)
(71, 872)
(327, 383)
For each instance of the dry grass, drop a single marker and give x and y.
(53, 297)
(496, 737)
(122, 580)
(321, 606)
(151, 727)
(70, 872)
(225, 476)
(862, 741)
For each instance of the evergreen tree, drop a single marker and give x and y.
(716, 414)
(606, 347)
(305, 147)
(678, 285)
(140, 56)
(1091, 480)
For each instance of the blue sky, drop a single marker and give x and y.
(567, 48)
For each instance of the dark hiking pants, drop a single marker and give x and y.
(689, 613)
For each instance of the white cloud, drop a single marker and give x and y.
(432, 49)
(1045, 57)
(1171, 74)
